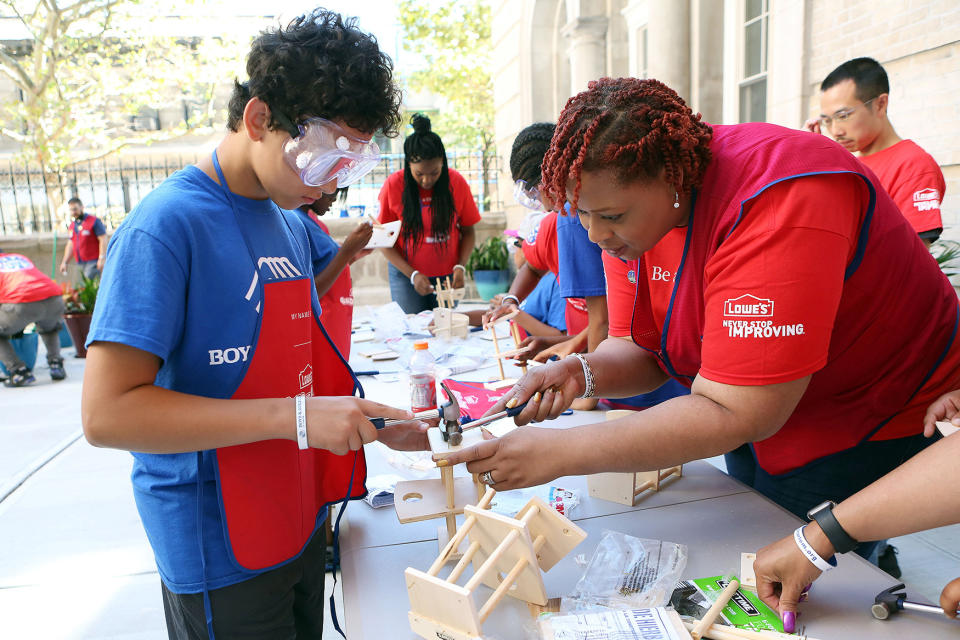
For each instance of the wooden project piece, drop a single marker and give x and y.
(515, 332)
(725, 632)
(496, 349)
(416, 500)
(448, 324)
(507, 554)
(626, 488)
(748, 579)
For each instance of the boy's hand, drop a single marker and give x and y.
(812, 125)
(340, 424)
(950, 598)
(946, 407)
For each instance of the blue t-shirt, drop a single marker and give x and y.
(581, 264)
(323, 248)
(546, 304)
(184, 284)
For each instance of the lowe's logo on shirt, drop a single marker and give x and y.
(230, 355)
(926, 199)
(748, 306)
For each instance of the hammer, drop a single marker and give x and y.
(449, 414)
(888, 602)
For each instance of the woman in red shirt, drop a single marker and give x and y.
(438, 213)
(810, 359)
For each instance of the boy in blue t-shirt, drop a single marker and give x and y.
(206, 356)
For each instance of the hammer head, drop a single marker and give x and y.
(450, 415)
(888, 602)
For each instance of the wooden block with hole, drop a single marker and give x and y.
(507, 555)
(417, 500)
(748, 579)
(448, 324)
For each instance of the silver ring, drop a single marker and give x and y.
(487, 478)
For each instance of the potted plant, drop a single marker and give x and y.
(489, 265)
(78, 303)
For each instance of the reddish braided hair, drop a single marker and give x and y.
(637, 128)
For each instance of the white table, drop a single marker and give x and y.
(714, 515)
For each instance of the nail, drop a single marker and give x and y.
(537, 397)
(789, 621)
(512, 402)
(806, 588)
(443, 463)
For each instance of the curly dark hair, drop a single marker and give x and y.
(529, 148)
(424, 144)
(637, 128)
(320, 65)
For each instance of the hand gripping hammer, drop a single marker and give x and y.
(449, 414)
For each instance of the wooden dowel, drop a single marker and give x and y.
(496, 349)
(511, 353)
(446, 476)
(715, 610)
(464, 561)
(508, 581)
(462, 532)
(646, 485)
(515, 332)
(724, 632)
(491, 561)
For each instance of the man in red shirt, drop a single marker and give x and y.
(88, 241)
(853, 110)
(27, 295)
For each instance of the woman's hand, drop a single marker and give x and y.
(561, 350)
(505, 307)
(521, 458)
(946, 407)
(421, 284)
(783, 577)
(550, 390)
(341, 424)
(950, 598)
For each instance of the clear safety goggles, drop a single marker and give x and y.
(320, 151)
(529, 197)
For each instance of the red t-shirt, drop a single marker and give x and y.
(21, 282)
(431, 258)
(795, 252)
(540, 250)
(913, 179)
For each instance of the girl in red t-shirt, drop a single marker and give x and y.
(438, 213)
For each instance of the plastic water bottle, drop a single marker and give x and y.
(423, 379)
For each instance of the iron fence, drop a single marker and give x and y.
(111, 187)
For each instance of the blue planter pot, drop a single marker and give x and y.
(490, 283)
(26, 348)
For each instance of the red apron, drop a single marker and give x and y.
(271, 492)
(337, 305)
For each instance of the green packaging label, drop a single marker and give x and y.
(745, 610)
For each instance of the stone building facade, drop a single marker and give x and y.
(734, 61)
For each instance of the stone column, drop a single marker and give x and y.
(668, 44)
(587, 50)
(706, 64)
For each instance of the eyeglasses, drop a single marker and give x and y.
(320, 151)
(843, 115)
(529, 197)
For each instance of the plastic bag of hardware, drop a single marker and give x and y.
(628, 573)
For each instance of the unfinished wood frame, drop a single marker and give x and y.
(507, 555)
(416, 500)
(627, 488)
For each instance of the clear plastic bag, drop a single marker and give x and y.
(628, 573)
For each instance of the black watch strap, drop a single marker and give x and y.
(840, 539)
